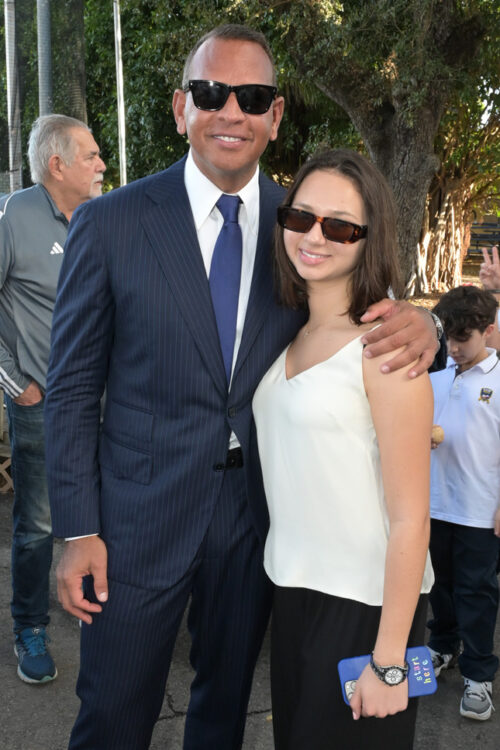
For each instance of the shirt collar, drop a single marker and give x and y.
(485, 365)
(57, 214)
(203, 195)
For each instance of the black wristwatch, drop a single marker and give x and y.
(438, 324)
(393, 675)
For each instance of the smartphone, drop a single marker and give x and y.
(421, 677)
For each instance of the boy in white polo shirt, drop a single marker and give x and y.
(465, 498)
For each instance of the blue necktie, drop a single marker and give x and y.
(224, 279)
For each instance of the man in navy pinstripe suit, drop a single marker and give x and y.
(164, 502)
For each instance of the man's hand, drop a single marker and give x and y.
(489, 270)
(82, 557)
(405, 326)
(31, 396)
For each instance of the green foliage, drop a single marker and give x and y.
(386, 54)
(28, 86)
(156, 38)
(62, 24)
(394, 51)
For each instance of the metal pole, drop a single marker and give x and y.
(119, 91)
(45, 102)
(13, 109)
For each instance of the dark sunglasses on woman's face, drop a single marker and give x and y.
(335, 230)
(253, 98)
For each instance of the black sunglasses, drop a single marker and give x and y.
(253, 98)
(335, 230)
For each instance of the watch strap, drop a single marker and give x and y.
(381, 672)
(438, 324)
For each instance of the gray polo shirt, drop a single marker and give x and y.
(32, 236)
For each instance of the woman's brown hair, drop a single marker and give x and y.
(377, 270)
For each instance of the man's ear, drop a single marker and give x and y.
(278, 106)
(55, 167)
(178, 106)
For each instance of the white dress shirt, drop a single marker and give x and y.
(203, 195)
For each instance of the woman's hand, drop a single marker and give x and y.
(373, 698)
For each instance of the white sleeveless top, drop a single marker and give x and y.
(323, 479)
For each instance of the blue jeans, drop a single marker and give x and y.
(32, 529)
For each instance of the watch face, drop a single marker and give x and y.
(394, 676)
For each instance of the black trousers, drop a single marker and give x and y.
(311, 632)
(465, 595)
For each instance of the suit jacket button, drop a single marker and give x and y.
(219, 467)
(231, 412)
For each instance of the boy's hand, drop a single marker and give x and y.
(489, 270)
(497, 522)
(437, 436)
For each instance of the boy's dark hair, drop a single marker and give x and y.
(466, 309)
(377, 270)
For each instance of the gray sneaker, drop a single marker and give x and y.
(476, 702)
(442, 661)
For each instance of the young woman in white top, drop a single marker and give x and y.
(345, 456)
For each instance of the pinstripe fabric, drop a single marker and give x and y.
(229, 560)
(134, 314)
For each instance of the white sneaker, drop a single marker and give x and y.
(476, 702)
(442, 661)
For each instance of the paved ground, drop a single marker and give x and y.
(40, 717)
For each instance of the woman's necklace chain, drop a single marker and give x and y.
(308, 331)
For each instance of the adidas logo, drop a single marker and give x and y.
(56, 249)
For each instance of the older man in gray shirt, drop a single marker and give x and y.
(67, 170)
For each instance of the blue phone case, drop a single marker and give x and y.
(421, 677)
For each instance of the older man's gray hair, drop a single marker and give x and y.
(51, 134)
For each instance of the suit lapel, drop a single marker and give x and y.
(169, 225)
(262, 295)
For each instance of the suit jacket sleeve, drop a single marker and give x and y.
(82, 333)
(441, 357)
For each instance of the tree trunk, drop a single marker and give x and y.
(445, 238)
(69, 82)
(391, 67)
(405, 155)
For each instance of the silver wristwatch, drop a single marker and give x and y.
(438, 324)
(393, 675)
